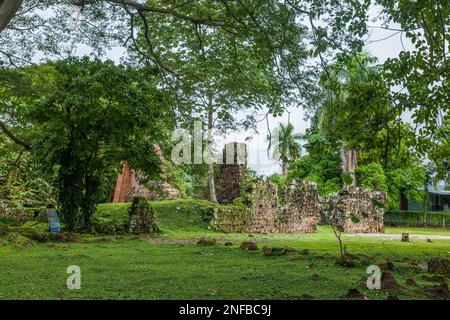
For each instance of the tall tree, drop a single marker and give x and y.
(422, 72)
(209, 75)
(8, 9)
(88, 116)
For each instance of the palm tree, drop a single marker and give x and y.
(285, 145)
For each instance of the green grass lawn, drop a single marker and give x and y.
(174, 267)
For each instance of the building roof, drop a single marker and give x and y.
(436, 190)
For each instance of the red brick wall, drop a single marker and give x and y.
(123, 184)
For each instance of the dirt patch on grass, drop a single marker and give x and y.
(388, 282)
(439, 291)
(354, 293)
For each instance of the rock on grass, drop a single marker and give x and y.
(277, 251)
(386, 265)
(354, 293)
(388, 281)
(439, 291)
(249, 246)
(410, 282)
(206, 242)
(439, 265)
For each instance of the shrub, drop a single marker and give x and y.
(417, 218)
(111, 218)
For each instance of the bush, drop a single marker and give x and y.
(417, 218)
(35, 231)
(18, 216)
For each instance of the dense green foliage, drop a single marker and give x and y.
(85, 121)
(354, 92)
(321, 165)
(423, 71)
(417, 218)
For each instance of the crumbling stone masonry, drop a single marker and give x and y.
(128, 185)
(358, 210)
(300, 211)
(295, 209)
(264, 208)
(260, 214)
(231, 172)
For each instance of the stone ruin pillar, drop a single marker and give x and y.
(231, 172)
(358, 210)
(264, 208)
(141, 217)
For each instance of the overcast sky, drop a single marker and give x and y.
(381, 43)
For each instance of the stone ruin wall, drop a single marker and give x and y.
(266, 214)
(300, 211)
(264, 208)
(361, 203)
(259, 217)
(297, 209)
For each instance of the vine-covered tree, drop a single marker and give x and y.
(89, 115)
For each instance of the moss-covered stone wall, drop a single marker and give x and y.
(295, 210)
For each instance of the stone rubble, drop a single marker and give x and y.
(141, 217)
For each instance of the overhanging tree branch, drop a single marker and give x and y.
(140, 7)
(18, 141)
(8, 9)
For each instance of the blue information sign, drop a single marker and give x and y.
(53, 221)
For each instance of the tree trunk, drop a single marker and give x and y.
(425, 204)
(8, 9)
(285, 169)
(349, 161)
(211, 183)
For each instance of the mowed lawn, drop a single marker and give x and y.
(173, 266)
